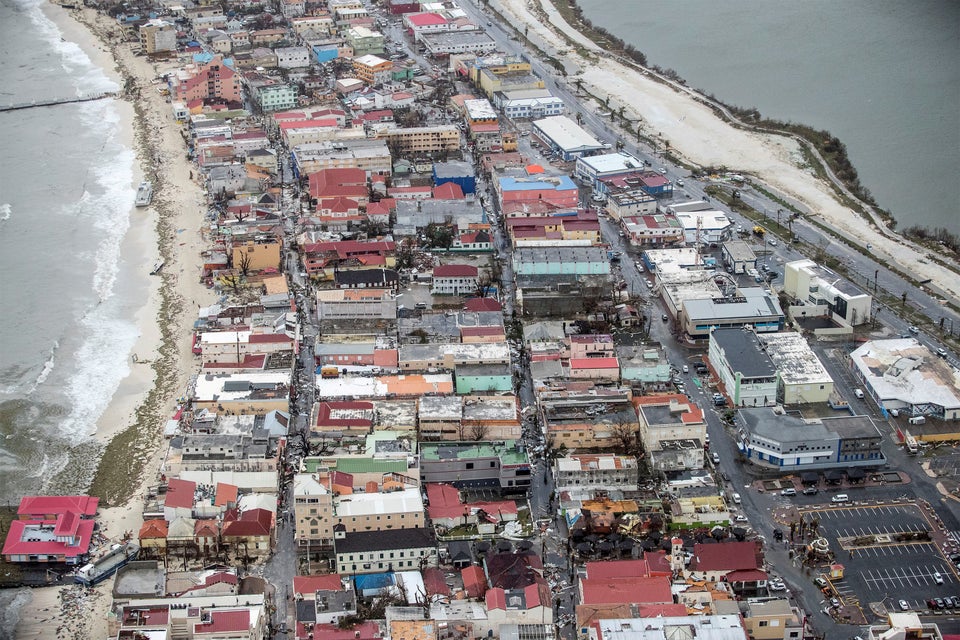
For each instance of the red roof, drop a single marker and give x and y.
(153, 529)
(626, 590)
(455, 271)
(481, 331)
(226, 494)
(364, 631)
(67, 524)
(729, 556)
(746, 575)
(250, 361)
(482, 304)
(224, 622)
(594, 363)
(426, 19)
(54, 505)
(267, 338)
(617, 569)
(180, 493)
(19, 542)
(305, 585)
(534, 595)
(255, 522)
(326, 408)
(474, 581)
(307, 124)
(448, 191)
(205, 529)
(435, 582)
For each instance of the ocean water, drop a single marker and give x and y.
(69, 291)
(881, 75)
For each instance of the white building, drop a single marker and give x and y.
(454, 279)
(801, 377)
(356, 304)
(824, 293)
(903, 375)
(529, 103)
(566, 137)
(292, 57)
(596, 471)
(746, 371)
(592, 169)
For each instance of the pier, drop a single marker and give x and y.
(55, 101)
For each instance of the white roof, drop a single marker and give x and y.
(306, 484)
(612, 162)
(903, 370)
(208, 386)
(566, 133)
(795, 360)
(370, 60)
(224, 337)
(479, 109)
(367, 504)
(709, 220)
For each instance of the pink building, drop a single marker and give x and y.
(210, 82)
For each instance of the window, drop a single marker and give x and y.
(469, 465)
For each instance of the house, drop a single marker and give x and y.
(532, 604)
(247, 393)
(738, 563)
(498, 465)
(603, 471)
(388, 550)
(446, 508)
(51, 529)
(312, 512)
(668, 626)
(179, 499)
(672, 430)
(153, 537)
(378, 511)
(773, 620)
(454, 279)
(372, 69)
(483, 378)
(250, 533)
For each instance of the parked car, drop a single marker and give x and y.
(914, 330)
(715, 457)
(810, 491)
(820, 582)
(741, 518)
(840, 497)
(940, 604)
(937, 577)
(904, 606)
(789, 491)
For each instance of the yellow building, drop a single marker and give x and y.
(253, 256)
(772, 620)
(415, 140)
(372, 70)
(312, 509)
(158, 36)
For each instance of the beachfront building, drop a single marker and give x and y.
(158, 36)
(592, 169)
(214, 81)
(565, 137)
(454, 42)
(528, 103)
(902, 375)
(820, 292)
(256, 393)
(51, 529)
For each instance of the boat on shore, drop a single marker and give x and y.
(157, 267)
(107, 565)
(144, 194)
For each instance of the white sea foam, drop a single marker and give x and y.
(11, 604)
(86, 77)
(5, 211)
(47, 367)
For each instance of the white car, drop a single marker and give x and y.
(773, 242)
(741, 518)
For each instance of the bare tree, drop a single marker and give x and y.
(479, 432)
(244, 261)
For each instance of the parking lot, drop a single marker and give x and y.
(883, 574)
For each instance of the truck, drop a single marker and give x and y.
(329, 372)
(911, 444)
(759, 231)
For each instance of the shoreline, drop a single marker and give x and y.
(701, 137)
(130, 430)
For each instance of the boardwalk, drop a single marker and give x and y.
(55, 101)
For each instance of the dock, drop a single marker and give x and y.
(53, 102)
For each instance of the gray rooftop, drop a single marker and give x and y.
(482, 370)
(744, 353)
(783, 428)
(751, 302)
(453, 169)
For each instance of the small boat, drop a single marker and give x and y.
(157, 267)
(144, 194)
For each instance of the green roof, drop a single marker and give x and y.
(506, 451)
(359, 465)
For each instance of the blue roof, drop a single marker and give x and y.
(373, 581)
(556, 183)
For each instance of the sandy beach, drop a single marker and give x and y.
(702, 138)
(171, 230)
